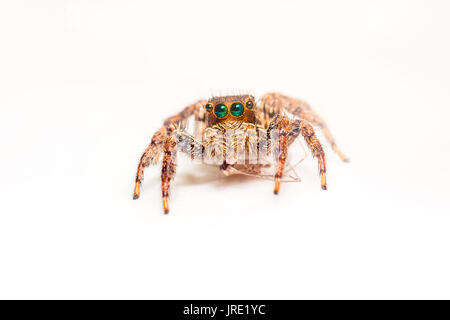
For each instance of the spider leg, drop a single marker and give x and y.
(178, 141)
(153, 152)
(287, 131)
(275, 102)
(268, 110)
(314, 145)
(283, 126)
(168, 169)
(150, 156)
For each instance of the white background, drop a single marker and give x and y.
(84, 85)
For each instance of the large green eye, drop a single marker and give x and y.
(220, 110)
(237, 109)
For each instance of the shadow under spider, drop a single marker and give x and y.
(210, 174)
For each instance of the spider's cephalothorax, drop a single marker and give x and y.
(236, 133)
(230, 111)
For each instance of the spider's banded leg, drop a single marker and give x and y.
(268, 111)
(168, 162)
(178, 141)
(152, 153)
(282, 124)
(150, 156)
(302, 110)
(168, 170)
(316, 149)
(294, 132)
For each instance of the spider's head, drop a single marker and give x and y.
(230, 109)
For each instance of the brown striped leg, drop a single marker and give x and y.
(294, 132)
(312, 117)
(168, 169)
(150, 155)
(314, 145)
(283, 126)
(268, 110)
(177, 141)
(303, 110)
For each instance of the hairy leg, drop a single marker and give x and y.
(287, 131)
(182, 141)
(150, 156)
(276, 102)
(153, 152)
(168, 169)
(282, 124)
(314, 145)
(268, 110)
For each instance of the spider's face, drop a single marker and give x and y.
(230, 109)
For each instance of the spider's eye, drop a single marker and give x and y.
(209, 107)
(249, 104)
(237, 109)
(220, 110)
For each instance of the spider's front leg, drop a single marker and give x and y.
(177, 141)
(274, 103)
(150, 156)
(287, 131)
(282, 127)
(153, 152)
(168, 169)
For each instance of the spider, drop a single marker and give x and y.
(257, 130)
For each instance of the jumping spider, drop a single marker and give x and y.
(258, 129)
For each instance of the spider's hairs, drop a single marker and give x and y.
(231, 92)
